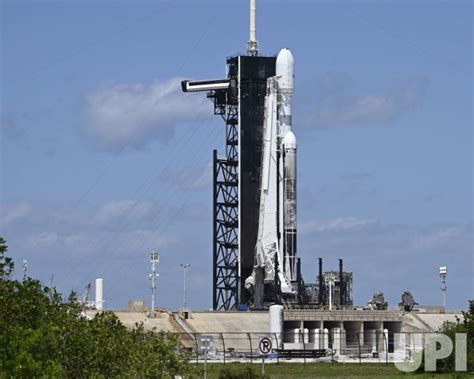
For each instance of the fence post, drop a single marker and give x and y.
(251, 354)
(331, 342)
(223, 345)
(304, 348)
(277, 345)
(197, 347)
(385, 337)
(358, 342)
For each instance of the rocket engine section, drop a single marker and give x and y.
(275, 251)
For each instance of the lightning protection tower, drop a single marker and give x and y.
(153, 276)
(443, 273)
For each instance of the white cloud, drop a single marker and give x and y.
(337, 103)
(335, 225)
(120, 209)
(434, 239)
(43, 240)
(119, 116)
(12, 213)
(189, 179)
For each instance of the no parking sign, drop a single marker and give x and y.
(265, 346)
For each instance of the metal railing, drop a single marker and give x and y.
(336, 345)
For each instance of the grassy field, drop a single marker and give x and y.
(312, 370)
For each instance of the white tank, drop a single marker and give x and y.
(316, 338)
(385, 340)
(325, 338)
(99, 294)
(296, 333)
(276, 325)
(306, 335)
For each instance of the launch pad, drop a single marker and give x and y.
(254, 188)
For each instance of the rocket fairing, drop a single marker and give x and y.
(277, 220)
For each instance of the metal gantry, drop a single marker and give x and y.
(225, 206)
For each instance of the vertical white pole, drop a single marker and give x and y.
(205, 353)
(154, 259)
(325, 338)
(316, 338)
(185, 295)
(252, 20)
(99, 294)
(184, 267)
(153, 286)
(330, 295)
(252, 44)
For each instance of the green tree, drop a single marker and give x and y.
(42, 334)
(6, 264)
(450, 329)
(460, 326)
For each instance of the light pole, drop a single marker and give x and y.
(330, 280)
(443, 273)
(154, 260)
(24, 267)
(185, 267)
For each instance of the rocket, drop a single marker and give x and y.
(276, 238)
(285, 74)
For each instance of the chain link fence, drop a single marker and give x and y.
(336, 345)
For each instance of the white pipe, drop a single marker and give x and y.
(252, 44)
(306, 335)
(325, 338)
(330, 295)
(316, 338)
(296, 332)
(99, 294)
(253, 10)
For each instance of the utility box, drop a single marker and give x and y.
(136, 305)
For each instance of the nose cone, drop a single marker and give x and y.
(285, 70)
(289, 140)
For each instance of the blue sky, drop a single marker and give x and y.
(103, 159)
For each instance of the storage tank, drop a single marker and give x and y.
(99, 294)
(276, 325)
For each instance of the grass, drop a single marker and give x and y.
(311, 370)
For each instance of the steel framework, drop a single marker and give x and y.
(225, 207)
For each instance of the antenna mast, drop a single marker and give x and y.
(252, 49)
(24, 267)
(154, 260)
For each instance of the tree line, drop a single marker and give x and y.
(43, 334)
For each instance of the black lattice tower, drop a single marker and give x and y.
(237, 178)
(225, 205)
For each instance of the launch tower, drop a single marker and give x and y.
(242, 261)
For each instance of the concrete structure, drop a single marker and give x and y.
(348, 331)
(347, 334)
(136, 305)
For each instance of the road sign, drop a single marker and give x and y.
(265, 346)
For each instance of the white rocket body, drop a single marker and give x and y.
(285, 73)
(277, 222)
